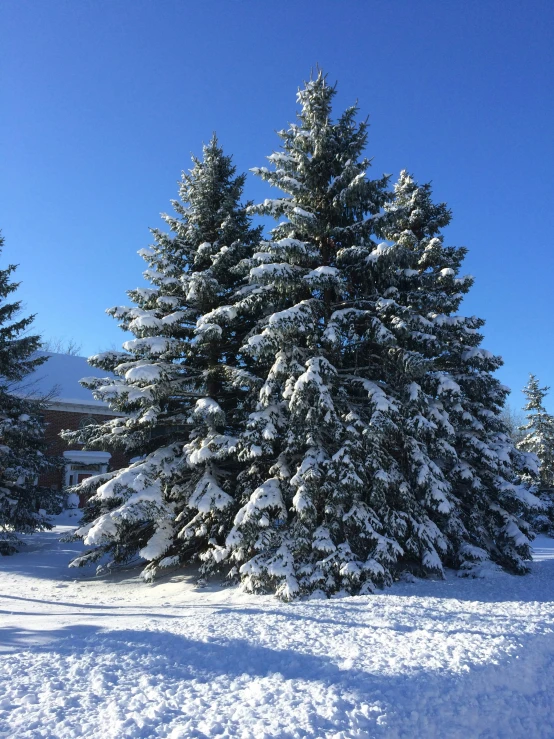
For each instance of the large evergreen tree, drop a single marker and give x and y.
(22, 459)
(376, 444)
(181, 383)
(460, 399)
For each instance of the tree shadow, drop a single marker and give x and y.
(537, 586)
(502, 587)
(514, 694)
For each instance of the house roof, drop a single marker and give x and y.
(59, 376)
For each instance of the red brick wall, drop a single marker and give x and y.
(56, 421)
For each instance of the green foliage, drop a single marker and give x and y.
(23, 504)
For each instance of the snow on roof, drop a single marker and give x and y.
(60, 377)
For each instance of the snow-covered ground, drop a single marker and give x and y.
(85, 656)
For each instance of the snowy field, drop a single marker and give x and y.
(84, 656)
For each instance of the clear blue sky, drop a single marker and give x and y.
(103, 101)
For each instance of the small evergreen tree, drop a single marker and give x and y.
(181, 383)
(22, 501)
(363, 456)
(539, 432)
(538, 439)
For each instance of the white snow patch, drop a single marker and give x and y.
(143, 373)
(109, 657)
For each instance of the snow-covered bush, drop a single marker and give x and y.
(72, 501)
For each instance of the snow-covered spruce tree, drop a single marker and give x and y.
(355, 469)
(539, 431)
(22, 459)
(315, 476)
(455, 407)
(181, 383)
(538, 439)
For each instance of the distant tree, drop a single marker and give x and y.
(61, 346)
(22, 459)
(538, 432)
(538, 439)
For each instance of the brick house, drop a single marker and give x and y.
(71, 407)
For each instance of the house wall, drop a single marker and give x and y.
(56, 421)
